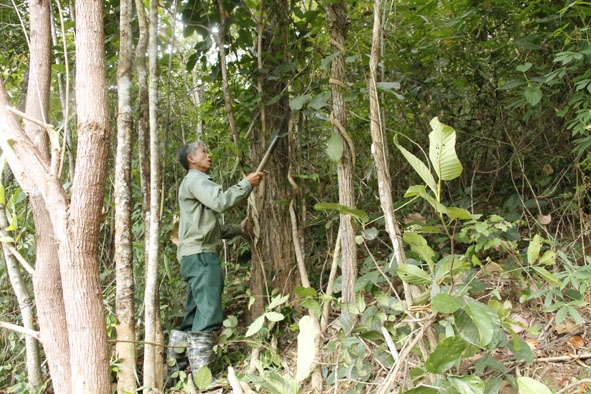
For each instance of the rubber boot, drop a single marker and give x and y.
(176, 355)
(200, 348)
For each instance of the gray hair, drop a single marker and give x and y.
(187, 149)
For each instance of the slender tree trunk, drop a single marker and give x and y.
(273, 258)
(25, 304)
(143, 124)
(338, 25)
(79, 263)
(125, 301)
(380, 154)
(47, 282)
(153, 354)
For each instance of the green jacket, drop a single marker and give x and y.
(201, 203)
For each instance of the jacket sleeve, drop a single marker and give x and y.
(212, 196)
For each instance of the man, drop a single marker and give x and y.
(201, 203)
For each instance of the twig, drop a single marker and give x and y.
(17, 255)
(22, 330)
(576, 384)
(572, 357)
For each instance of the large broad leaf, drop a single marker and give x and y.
(442, 151)
(530, 386)
(360, 215)
(446, 354)
(419, 167)
(445, 303)
(334, 147)
(467, 384)
(484, 318)
(533, 250)
(255, 326)
(414, 275)
(419, 245)
(419, 190)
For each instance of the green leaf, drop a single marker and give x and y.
(442, 151)
(521, 350)
(548, 276)
(278, 300)
(202, 378)
(482, 316)
(301, 291)
(419, 245)
(447, 352)
(390, 87)
(530, 386)
(533, 250)
(445, 303)
(414, 275)
(458, 213)
(255, 326)
(422, 192)
(548, 258)
(320, 100)
(524, 67)
(274, 316)
(419, 167)
(422, 390)
(358, 214)
(334, 148)
(533, 95)
(467, 384)
(298, 102)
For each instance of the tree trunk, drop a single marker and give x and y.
(47, 282)
(152, 354)
(380, 155)
(143, 124)
(273, 259)
(125, 302)
(338, 25)
(78, 250)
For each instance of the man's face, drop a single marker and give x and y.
(200, 160)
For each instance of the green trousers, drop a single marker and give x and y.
(205, 282)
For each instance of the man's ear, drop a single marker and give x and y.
(191, 158)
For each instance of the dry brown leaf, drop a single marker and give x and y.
(577, 342)
(566, 327)
(533, 344)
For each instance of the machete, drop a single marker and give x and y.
(282, 131)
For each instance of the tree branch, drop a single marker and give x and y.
(17, 255)
(22, 330)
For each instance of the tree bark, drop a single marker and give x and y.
(380, 155)
(47, 282)
(78, 249)
(271, 246)
(125, 302)
(153, 354)
(338, 26)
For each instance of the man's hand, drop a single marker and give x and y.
(255, 178)
(244, 226)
